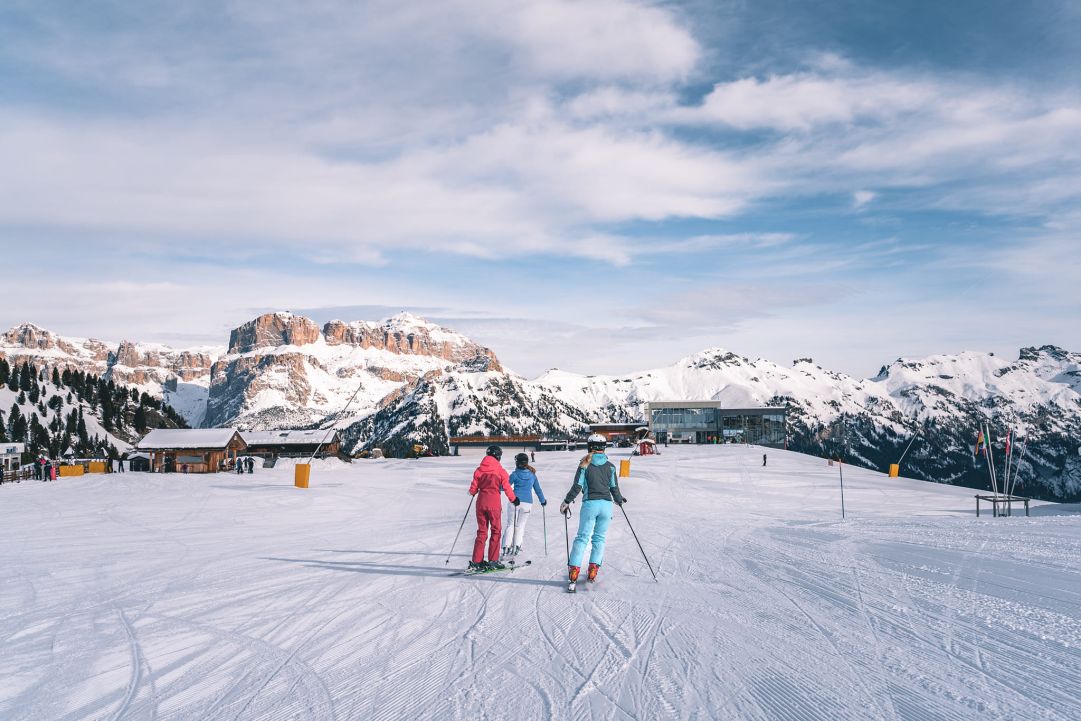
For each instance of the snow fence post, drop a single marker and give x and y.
(301, 475)
(624, 469)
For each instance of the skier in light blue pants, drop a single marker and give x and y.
(597, 481)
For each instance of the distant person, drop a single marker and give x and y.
(597, 481)
(532, 457)
(250, 463)
(488, 480)
(524, 481)
(239, 465)
(763, 459)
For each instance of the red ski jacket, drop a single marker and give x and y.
(488, 480)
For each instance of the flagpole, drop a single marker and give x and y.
(1009, 449)
(990, 464)
(1017, 466)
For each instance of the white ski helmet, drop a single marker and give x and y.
(596, 442)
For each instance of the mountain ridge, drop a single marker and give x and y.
(415, 381)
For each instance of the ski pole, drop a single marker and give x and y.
(544, 520)
(639, 543)
(467, 508)
(567, 533)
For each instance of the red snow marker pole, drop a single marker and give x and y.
(459, 530)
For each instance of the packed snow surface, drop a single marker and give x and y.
(241, 597)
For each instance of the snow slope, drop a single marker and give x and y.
(241, 597)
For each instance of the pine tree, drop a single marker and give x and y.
(37, 436)
(24, 377)
(3, 430)
(13, 379)
(80, 429)
(35, 393)
(5, 371)
(22, 398)
(18, 425)
(140, 418)
(56, 377)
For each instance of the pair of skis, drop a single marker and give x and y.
(509, 567)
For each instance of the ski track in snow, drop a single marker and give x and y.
(242, 597)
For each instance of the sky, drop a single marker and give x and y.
(600, 186)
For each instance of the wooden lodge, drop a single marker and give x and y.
(192, 450)
(293, 444)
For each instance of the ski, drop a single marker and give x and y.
(510, 567)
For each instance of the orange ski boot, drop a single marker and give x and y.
(591, 574)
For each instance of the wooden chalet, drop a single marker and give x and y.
(292, 444)
(191, 450)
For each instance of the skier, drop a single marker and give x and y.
(524, 480)
(488, 480)
(596, 479)
(763, 460)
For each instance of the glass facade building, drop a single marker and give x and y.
(708, 422)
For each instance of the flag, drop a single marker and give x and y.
(979, 444)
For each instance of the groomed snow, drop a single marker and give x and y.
(142, 596)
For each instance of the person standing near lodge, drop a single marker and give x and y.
(250, 463)
(488, 480)
(597, 481)
(524, 481)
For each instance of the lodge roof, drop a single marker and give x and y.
(170, 438)
(288, 438)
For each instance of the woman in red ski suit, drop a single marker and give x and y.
(488, 480)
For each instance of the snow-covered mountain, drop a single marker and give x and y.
(413, 381)
(181, 377)
(284, 370)
(869, 421)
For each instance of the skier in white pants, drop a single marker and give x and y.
(524, 480)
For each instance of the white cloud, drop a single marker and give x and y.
(611, 39)
(861, 198)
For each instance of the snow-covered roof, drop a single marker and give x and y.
(7, 449)
(286, 438)
(168, 438)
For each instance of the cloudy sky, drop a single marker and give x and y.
(599, 186)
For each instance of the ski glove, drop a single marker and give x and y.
(563, 508)
(516, 501)
(544, 503)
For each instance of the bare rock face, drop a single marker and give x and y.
(272, 330)
(281, 368)
(30, 342)
(406, 334)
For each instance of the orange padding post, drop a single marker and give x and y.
(303, 473)
(895, 470)
(624, 469)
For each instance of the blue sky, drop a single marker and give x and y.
(601, 186)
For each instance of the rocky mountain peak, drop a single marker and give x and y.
(271, 330)
(29, 335)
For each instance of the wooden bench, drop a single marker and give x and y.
(1002, 500)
